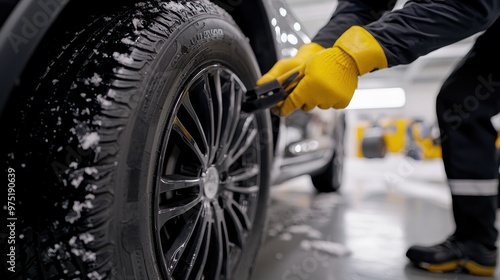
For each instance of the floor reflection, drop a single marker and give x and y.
(363, 231)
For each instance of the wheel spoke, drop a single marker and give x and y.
(212, 118)
(226, 120)
(243, 190)
(238, 93)
(241, 214)
(238, 96)
(244, 174)
(222, 241)
(174, 254)
(189, 140)
(244, 130)
(241, 150)
(203, 261)
(177, 182)
(197, 252)
(232, 118)
(168, 213)
(237, 226)
(236, 145)
(196, 119)
(216, 93)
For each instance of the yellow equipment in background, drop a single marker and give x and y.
(411, 137)
(397, 135)
(376, 138)
(394, 133)
(361, 126)
(425, 141)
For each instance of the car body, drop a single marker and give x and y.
(302, 144)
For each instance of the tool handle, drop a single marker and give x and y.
(270, 93)
(291, 79)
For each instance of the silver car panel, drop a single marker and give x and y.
(305, 142)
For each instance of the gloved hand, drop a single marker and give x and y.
(305, 52)
(330, 77)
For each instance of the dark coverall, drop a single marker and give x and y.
(467, 100)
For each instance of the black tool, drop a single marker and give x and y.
(269, 94)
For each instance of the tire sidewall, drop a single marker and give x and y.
(179, 58)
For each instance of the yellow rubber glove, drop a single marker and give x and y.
(305, 52)
(331, 76)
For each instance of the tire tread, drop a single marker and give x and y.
(49, 249)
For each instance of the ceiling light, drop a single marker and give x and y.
(377, 98)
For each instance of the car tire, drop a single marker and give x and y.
(331, 177)
(132, 156)
(373, 143)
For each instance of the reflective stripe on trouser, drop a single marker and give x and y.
(465, 104)
(474, 187)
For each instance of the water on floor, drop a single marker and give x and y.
(363, 231)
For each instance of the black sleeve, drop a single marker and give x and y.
(422, 26)
(349, 13)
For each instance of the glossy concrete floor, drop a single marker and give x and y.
(362, 232)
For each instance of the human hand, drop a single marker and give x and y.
(330, 77)
(283, 66)
(329, 80)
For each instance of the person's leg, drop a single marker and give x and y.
(465, 104)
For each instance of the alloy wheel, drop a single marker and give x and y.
(207, 188)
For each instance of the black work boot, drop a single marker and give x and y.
(453, 254)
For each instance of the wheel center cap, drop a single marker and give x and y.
(211, 182)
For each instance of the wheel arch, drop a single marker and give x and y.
(20, 35)
(252, 18)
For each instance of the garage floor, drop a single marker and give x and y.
(362, 232)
